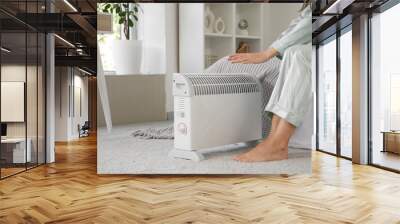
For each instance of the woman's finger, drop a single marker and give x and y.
(232, 57)
(239, 55)
(236, 59)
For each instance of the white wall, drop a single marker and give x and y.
(277, 17)
(18, 73)
(50, 95)
(62, 81)
(314, 89)
(158, 29)
(134, 99)
(80, 82)
(66, 121)
(34, 124)
(152, 32)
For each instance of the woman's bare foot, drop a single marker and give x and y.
(268, 150)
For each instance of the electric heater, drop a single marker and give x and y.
(213, 110)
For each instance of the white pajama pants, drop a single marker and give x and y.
(292, 95)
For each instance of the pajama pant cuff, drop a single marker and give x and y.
(284, 114)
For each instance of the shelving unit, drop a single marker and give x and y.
(248, 37)
(218, 35)
(199, 48)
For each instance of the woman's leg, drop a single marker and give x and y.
(274, 123)
(275, 147)
(289, 102)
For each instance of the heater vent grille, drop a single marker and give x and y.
(223, 84)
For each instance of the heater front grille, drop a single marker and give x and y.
(214, 84)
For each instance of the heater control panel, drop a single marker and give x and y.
(182, 129)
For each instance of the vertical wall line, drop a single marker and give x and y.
(317, 96)
(338, 98)
(44, 80)
(73, 92)
(69, 91)
(369, 81)
(60, 76)
(37, 90)
(26, 86)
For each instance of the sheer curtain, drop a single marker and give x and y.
(151, 31)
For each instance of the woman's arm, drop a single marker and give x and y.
(298, 32)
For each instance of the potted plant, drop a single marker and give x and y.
(127, 50)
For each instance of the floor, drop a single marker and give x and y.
(9, 171)
(387, 159)
(120, 153)
(70, 191)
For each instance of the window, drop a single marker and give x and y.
(394, 102)
(385, 89)
(22, 78)
(327, 97)
(334, 101)
(346, 94)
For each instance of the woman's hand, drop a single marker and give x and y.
(253, 58)
(248, 58)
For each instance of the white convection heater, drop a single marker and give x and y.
(213, 110)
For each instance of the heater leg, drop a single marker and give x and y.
(185, 154)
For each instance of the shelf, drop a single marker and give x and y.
(230, 35)
(218, 35)
(253, 14)
(254, 44)
(248, 37)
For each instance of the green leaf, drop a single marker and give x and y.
(135, 17)
(118, 9)
(122, 14)
(115, 6)
(130, 23)
(121, 20)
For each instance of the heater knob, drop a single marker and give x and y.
(182, 128)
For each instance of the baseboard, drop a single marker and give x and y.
(170, 116)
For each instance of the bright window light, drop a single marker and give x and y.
(70, 5)
(5, 50)
(84, 71)
(64, 40)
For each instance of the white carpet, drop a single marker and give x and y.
(120, 153)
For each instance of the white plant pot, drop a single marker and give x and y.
(127, 56)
